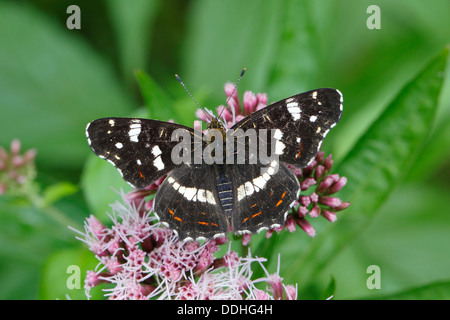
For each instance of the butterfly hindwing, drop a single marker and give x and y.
(263, 196)
(299, 123)
(139, 148)
(187, 201)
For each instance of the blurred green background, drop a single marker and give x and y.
(53, 81)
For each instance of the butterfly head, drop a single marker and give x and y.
(215, 123)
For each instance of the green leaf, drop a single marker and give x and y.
(51, 85)
(57, 191)
(381, 158)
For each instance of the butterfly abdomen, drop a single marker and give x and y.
(224, 189)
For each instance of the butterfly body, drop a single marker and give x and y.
(240, 191)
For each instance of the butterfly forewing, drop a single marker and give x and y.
(299, 123)
(140, 149)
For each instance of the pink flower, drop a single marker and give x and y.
(140, 259)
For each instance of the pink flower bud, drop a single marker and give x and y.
(225, 113)
(30, 155)
(337, 186)
(308, 182)
(325, 184)
(320, 156)
(314, 197)
(221, 240)
(291, 292)
(305, 201)
(229, 88)
(17, 161)
(344, 205)
(15, 147)
(329, 215)
(276, 283)
(261, 295)
(331, 202)
(250, 102)
(95, 226)
(262, 98)
(91, 279)
(307, 227)
(246, 238)
(269, 233)
(328, 163)
(231, 259)
(302, 211)
(290, 223)
(315, 212)
(318, 173)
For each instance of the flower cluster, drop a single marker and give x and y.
(144, 260)
(16, 170)
(236, 110)
(315, 200)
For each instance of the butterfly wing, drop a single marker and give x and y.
(139, 148)
(263, 196)
(299, 123)
(187, 201)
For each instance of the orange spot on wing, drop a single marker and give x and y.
(141, 175)
(203, 223)
(253, 205)
(178, 219)
(299, 154)
(279, 202)
(171, 212)
(256, 214)
(282, 196)
(213, 224)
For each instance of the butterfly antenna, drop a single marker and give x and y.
(190, 95)
(234, 90)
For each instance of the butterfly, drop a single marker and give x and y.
(204, 200)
